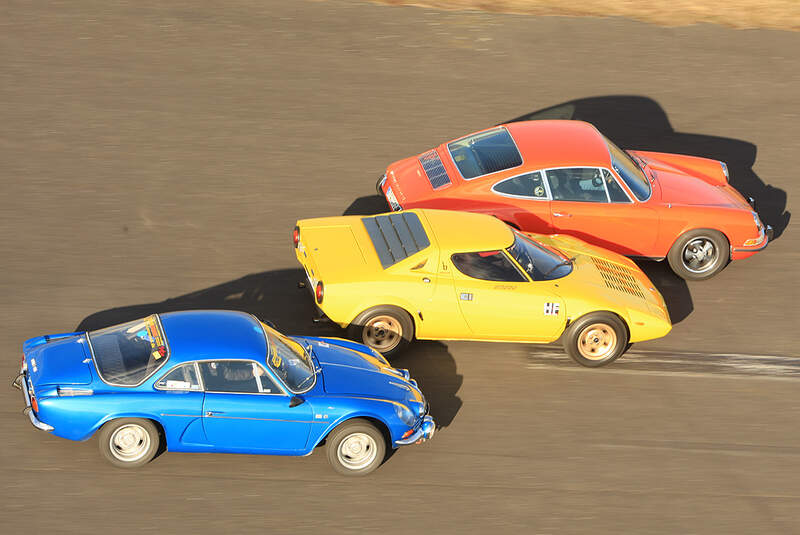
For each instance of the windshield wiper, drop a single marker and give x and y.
(565, 262)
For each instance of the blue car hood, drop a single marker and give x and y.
(60, 359)
(347, 371)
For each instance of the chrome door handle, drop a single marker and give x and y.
(559, 214)
(212, 413)
(426, 280)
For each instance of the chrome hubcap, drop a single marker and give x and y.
(700, 255)
(383, 333)
(357, 451)
(130, 443)
(597, 341)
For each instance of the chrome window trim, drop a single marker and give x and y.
(165, 389)
(283, 385)
(530, 197)
(277, 384)
(151, 374)
(621, 186)
(575, 167)
(455, 164)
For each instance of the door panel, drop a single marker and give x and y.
(500, 310)
(256, 422)
(626, 228)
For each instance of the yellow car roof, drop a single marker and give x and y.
(465, 231)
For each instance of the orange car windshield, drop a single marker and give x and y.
(629, 171)
(539, 262)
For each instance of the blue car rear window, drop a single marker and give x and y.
(396, 236)
(129, 353)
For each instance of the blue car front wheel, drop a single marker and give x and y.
(356, 448)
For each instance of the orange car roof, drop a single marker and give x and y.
(559, 144)
(465, 231)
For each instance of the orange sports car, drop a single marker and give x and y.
(566, 177)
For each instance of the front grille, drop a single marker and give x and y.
(618, 277)
(434, 169)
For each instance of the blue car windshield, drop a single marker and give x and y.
(127, 354)
(539, 262)
(289, 361)
(629, 171)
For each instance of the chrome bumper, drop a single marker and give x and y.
(21, 383)
(425, 432)
(768, 231)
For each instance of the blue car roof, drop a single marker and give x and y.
(221, 334)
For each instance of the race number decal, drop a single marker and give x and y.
(551, 309)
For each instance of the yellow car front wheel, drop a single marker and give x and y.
(596, 339)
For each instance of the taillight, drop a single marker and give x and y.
(319, 292)
(296, 237)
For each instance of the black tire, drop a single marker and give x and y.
(387, 329)
(378, 186)
(699, 254)
(356, 448)
(596, 339)
(140, 436)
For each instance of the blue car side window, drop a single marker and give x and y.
(241, 376)
(183, 377)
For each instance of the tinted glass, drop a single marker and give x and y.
(127, 354)
(614, 189)
(577, 184)
(184, 377)
(289, 361)
(630, 171)
(538, 261)
(528, 185)
(488, 266)
(484, 153)
(231, 376)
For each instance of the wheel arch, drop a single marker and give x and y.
(389, 303)
(373, 419)
(110, 418)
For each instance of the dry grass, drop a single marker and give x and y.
(778, 14)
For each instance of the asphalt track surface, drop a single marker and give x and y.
(155, 157)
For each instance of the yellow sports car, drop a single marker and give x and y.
(446, 275)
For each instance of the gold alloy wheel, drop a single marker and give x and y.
(383, 333)
(597, 341)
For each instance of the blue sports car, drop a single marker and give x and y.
(220, 381)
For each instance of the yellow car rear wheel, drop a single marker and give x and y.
(386, 329)
(596, 339)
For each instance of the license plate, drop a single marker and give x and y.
(392, 200)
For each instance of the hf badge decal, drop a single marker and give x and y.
(551, 309)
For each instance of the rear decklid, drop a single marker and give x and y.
(58, 359)
(339, 249)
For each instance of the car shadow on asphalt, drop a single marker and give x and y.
(274, 296)
(638, 122)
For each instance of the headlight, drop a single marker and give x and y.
(725, 171)
(405, 415)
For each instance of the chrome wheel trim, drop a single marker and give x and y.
(699, 254)
(383, 333)
(597, 341)
(129, 443)
(357, 451)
